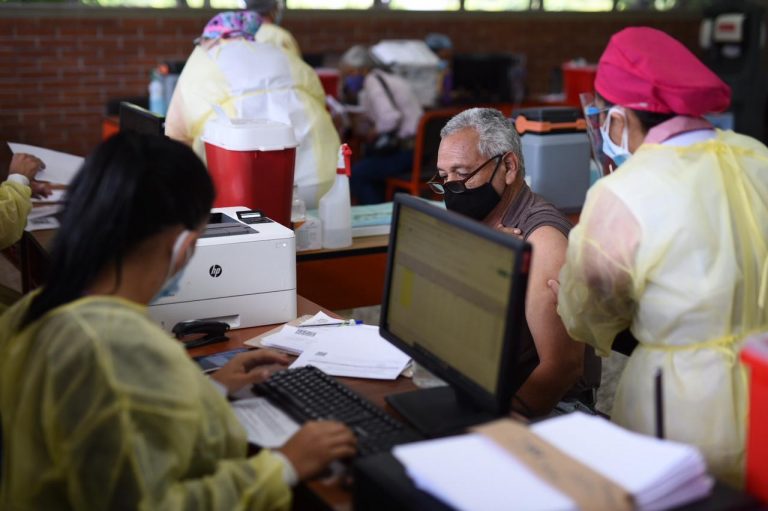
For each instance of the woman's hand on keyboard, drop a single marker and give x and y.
(250, 367)
(317, 444)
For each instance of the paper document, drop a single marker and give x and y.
(353, 351)
(659, 474)
(59, 167)
(321, 318)
(471, 472)
(55, 196)
(291, 339)
(265, 424)
(40, 218)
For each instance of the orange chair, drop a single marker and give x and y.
(425, 146)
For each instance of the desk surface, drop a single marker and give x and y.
(331, 493)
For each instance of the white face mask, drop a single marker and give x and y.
(173, 280)
(618, 154)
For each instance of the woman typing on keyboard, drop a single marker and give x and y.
(101, 409)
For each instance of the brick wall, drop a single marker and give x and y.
(58, 67)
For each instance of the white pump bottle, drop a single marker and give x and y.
(335, 206)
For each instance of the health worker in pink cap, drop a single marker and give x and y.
(672, 246)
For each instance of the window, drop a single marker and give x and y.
(496, 5)
(578, 5)
(329, 4)
(424, 5)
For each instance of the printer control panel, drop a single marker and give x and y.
(252, 217)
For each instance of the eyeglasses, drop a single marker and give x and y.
(440, 185)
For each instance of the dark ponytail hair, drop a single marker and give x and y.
(130, 188)
(647, 120)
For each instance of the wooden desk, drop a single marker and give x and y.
(325, 494)
(339, 278)
(346, 277)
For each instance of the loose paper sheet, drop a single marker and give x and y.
(265, 424)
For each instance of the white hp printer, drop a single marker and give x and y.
(243, 273)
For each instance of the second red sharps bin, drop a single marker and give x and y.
(755, 356)
(251, 162)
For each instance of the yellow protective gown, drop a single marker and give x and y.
(101, 409)
(673, 245)
(258, 81)
(15, 204)
(277, 36)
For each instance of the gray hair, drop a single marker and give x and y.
(496, 133)
(357, 56)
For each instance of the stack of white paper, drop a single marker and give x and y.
(354, 351)
(59, 167)
(471, 472)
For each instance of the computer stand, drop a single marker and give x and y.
(438, 411)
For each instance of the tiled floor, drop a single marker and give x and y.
(612, 366)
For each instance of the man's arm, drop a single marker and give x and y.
(561, 359)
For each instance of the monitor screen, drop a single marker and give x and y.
(135, 118)
(454, 299)
(489, 78)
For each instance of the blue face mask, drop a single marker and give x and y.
(618, 154)
(173, 281)
(354, 83)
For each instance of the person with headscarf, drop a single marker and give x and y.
(253, 80)
(673, 245)
(270, 32)
(392, 111)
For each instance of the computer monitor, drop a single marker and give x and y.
(489, 78)
(454, 300)
(133, 117)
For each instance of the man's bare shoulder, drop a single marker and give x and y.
(547, 237)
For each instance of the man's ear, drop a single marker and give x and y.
(511, 167)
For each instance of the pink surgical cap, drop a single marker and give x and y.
(645, 69)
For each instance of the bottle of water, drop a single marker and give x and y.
(335, 206)
(298, 209)
(156, 94)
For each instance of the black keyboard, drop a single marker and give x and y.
(307, 393)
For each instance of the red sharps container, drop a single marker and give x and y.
(755, 356)
(251, 162)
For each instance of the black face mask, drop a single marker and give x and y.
(475, 203)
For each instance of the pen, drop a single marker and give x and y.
(348, 322)
(659, 403)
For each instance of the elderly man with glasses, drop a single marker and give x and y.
(480, 173)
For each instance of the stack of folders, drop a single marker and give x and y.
(473, 472)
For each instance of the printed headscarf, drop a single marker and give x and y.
(231, 24)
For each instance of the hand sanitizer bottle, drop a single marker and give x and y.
(335, 207)
(156, 101)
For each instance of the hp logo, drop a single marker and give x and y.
(215, 271)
